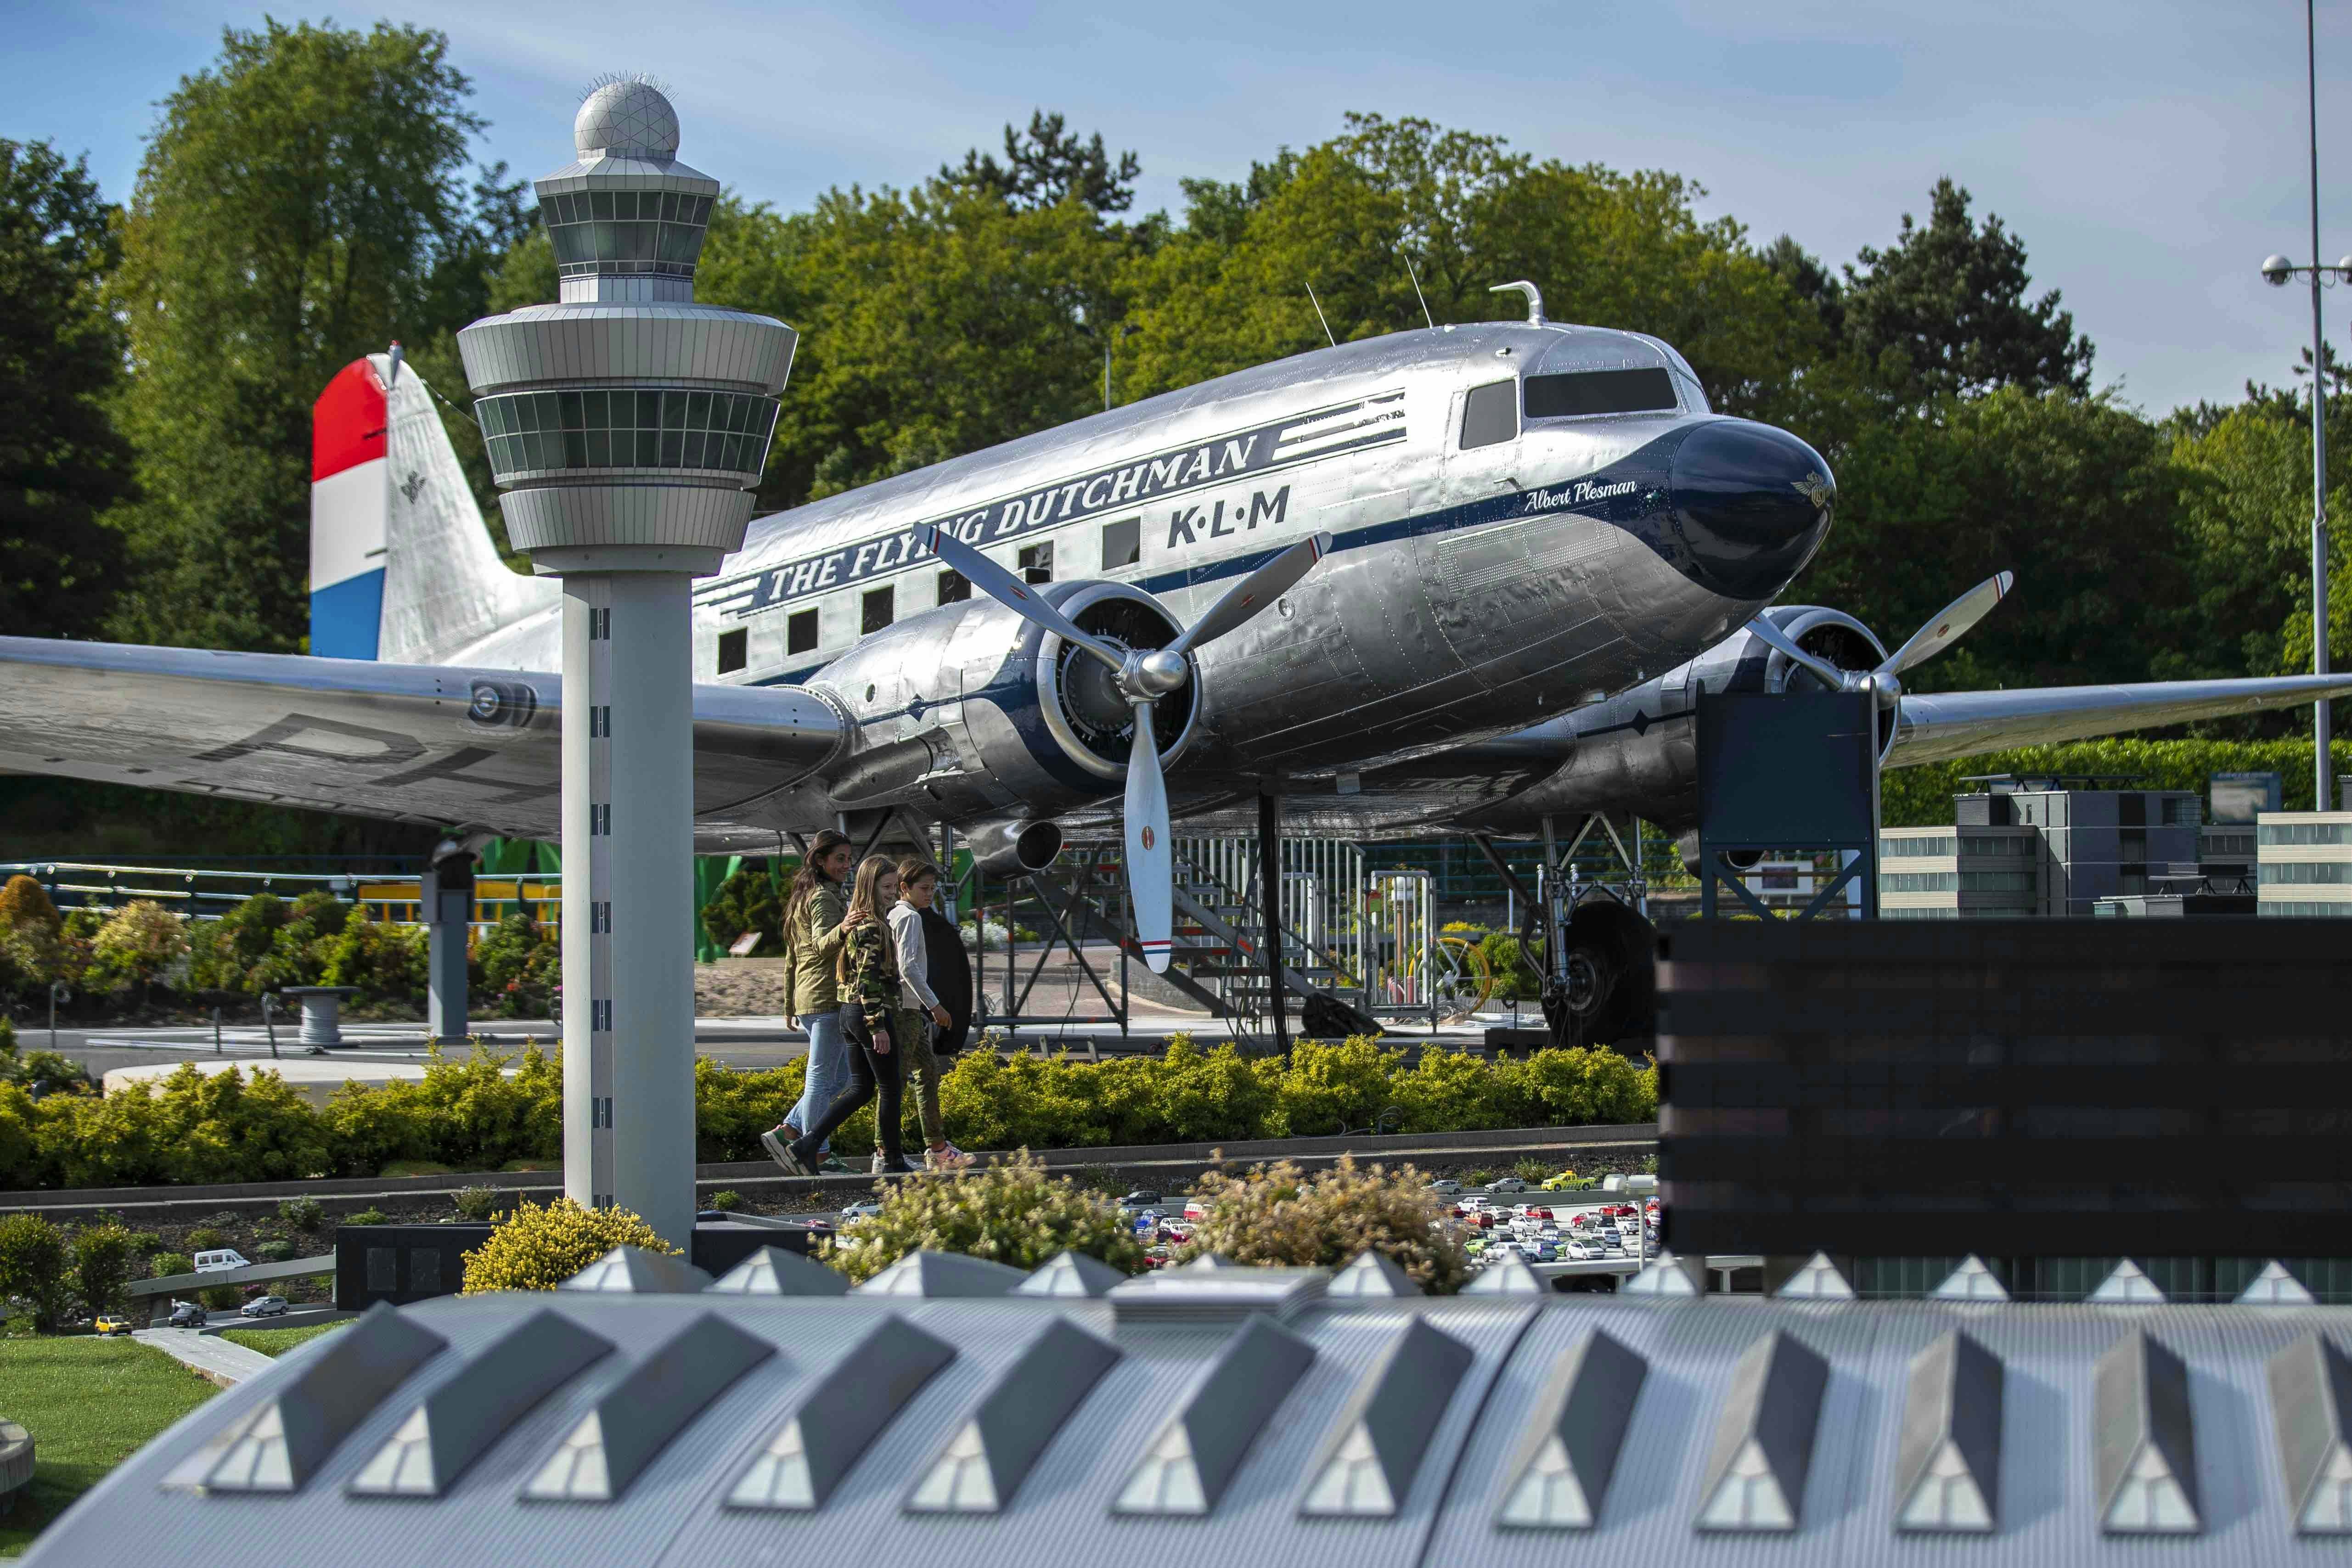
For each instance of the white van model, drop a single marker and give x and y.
(221, 1257)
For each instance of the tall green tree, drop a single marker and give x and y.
(62, 462)
(1944, 310)
(301, 203)
(1394, 213)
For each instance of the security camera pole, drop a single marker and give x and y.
(2278, 269)
(624, 426)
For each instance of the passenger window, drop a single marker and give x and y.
(1490, 414)
(734, 651)
(877, 610)
(954, 587)
(1038, 563)
(1122, 543)
(800, 632)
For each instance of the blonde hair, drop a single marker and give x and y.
(865, 902)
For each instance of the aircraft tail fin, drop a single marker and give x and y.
(401, 567)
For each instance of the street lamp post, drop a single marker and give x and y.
(2277, 270)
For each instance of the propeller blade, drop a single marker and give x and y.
(1013, 593)
(1150, 860)
(1253, 592)
(1772, 635)
(1951, 626)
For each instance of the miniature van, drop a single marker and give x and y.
(219, 1258)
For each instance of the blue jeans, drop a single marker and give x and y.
(828, 1073)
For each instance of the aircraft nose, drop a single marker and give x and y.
(1752, 502)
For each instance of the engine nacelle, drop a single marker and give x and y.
(974, 714)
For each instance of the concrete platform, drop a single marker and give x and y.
(217, 1359)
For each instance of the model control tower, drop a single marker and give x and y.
(624, 425)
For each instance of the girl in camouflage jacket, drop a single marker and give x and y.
(869, 986)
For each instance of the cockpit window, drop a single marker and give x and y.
(1490, 414)
(1601, 391)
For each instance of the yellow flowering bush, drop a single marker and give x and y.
(537, 1247)
(1011, 1212)
(1280, 1214)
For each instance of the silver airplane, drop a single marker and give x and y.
(1467, 578)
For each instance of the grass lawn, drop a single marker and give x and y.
(277, 1342)
(87, 1402)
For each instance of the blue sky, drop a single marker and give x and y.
(2150, 153)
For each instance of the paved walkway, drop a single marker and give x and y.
(222, 1361)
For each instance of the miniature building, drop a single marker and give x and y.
(2303, 865)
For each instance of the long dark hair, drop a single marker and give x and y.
(804, 880)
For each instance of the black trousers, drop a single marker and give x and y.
(873, 1076)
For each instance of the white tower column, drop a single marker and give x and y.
(625, 425)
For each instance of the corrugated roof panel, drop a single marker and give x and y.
(841, 1416)
(2144, 1440)
(2311, 1411)
(985, 1463)
(779, 1272)
(1948, 1460)
(1560, 1478)
(637, 1270)
(1764, 1437)
(1071, 1274)
(1219, 1293)
(1377, 1445)
(457, 1421)
(1187, 1467)
(937, 1275)
(661, 1395)
(278, 1444)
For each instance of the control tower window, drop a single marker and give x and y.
(1490, 414)
(734, 651)
(877, 610)
(954, 587)
(800, 632)
(1122, 543)
(1601, 391)
(1038, 563)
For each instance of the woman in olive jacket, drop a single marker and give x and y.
(814, 912)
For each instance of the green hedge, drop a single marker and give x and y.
(1922, 797)
(474, 1116)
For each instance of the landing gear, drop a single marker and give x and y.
(1609, 988)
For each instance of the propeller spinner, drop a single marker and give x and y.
(1142, 677)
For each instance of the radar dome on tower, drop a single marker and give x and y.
(626, 117)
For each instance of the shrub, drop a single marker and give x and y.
(40, 1072)
(138, 943)
(1277, 1214)
(517, 967)
(163, 1265)
(370, 1216)
(1477, 1177)
(733, 1109)
(25, 903)
(225, 955)
(475, 1202)
(1531, 1170)
(221, 1298)
(103, 1257)
(726, 1200)
(205, 1239)
(33, 948)
(301, 1212)
(384, 960)
(537, 1249)
(146, 1243)
(32, 1267)
(1011, 1212)
(748, 901)
(274, 1252)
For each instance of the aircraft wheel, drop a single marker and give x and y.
(1611, 991)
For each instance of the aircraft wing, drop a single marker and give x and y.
(1949, 725)
(435, 744)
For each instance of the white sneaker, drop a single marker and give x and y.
(946, 1157)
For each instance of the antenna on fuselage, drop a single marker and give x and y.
(1534, 298)
(1321, 316)
(1408, 272)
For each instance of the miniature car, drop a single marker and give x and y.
(1567, 1181)
(219, 1258)
(107, 1323)
(1142, 1197)
(264, 1307)
(1507, 1184)
(866, 1209)
(186, 1316)
(1446, 1187)
(1577, 1252)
